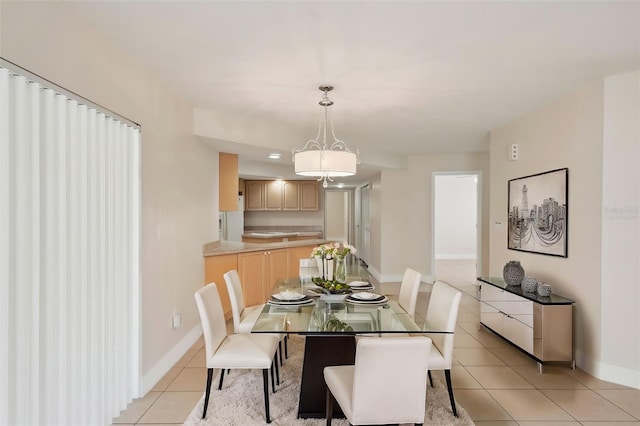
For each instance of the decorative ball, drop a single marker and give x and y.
(513, 273)
(530, 284)
(544, 289)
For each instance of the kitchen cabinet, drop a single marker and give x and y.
(540, 326)
(309, 195)
(290, 195)
(281, 195)
(294, 255)
(273, 195)
(214, 269)
(259, 271)
(254, 195)
(227, 181)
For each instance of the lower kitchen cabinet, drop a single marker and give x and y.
(294, 256)
(540, 326)
(214, 269)
(259, 271)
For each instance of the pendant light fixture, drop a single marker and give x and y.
(322, 158)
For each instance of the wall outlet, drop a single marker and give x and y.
(513, 152)
(177, 320)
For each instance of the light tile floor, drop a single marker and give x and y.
(494, 382)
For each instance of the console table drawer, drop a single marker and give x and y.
(519, 334)
(491, 293)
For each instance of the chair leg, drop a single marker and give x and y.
(275, 361)
(447, 375)
(286, 349)
(265, 383)
(208, 391)
(329, 407)
(273, 380)
(280, 352)
(430, 378)
(221, 378)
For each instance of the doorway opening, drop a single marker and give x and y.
(456, 230)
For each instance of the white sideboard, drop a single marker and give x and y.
(541, 326)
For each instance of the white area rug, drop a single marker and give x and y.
(241, 400)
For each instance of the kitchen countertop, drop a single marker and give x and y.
(281, 234)
(218, 248)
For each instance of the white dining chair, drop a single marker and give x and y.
(409, 291)
(306, 274)
(236, 351)
(369, 392)
(442, 314)
(245, 317)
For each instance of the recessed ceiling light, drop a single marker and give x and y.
(274, 156)
(341, 185)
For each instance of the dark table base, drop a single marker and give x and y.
(320, 352)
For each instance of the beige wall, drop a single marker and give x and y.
(569, 133)
(404, 208)
(179, 190)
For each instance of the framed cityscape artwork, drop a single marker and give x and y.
(538, 213)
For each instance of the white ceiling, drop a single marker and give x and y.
(412, 77)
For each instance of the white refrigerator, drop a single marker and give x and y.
(232, 223)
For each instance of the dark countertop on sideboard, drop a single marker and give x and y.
(218, 248)
(517, 290)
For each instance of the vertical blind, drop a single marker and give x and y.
(69, 258)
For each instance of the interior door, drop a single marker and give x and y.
(336, 215)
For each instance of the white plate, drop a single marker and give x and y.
(359, 284)
(365, 295)
(367, 302)
(288, 295)
(292, 304)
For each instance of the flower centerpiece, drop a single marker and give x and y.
(326, 254)
(341, 252)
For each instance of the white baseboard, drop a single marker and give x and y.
(157, 372)
(610, 373)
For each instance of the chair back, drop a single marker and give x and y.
(306, 262)
(211, 317)
(236, 296)
(442, 314)
(390, 380)
(409, 291)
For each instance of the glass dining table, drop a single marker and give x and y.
(330, 324)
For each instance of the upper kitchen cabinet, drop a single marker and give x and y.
(227, 181)
(290, 195)
(254, 195)
(309, 195)
(273, 195)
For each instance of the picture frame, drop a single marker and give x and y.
(538, 215)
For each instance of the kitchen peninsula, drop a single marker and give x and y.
(259, 266)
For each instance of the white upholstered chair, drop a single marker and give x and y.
(370, 392)
(442, 314)
(409, 291)
(236, 351)
(305, 276)
(245, 317)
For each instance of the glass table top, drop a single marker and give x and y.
(296, 308)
